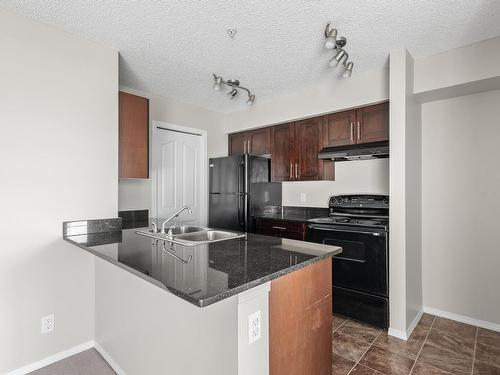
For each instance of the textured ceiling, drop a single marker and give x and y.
(172, 47)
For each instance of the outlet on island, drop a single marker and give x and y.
(254, 327)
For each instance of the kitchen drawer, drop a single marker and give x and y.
(281, 228)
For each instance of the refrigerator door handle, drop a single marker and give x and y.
(241, 190)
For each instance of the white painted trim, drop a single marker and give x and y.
(153, 169)
(397, 333)
(114, 365)
(463, 319)
(414, 323)
(254, 292)
(52, 359)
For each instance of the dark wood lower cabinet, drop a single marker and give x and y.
(281, 228)
(300, 321)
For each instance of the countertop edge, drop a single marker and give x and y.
(213, 299)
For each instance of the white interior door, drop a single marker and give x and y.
(180, 175)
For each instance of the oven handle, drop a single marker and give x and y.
(330, 229)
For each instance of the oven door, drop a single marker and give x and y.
(363, 263)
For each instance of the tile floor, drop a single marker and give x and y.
(437, 346)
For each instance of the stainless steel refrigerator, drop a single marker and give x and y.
(240, 188)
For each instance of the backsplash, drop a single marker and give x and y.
(351, 177)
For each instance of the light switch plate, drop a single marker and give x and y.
(254, 327)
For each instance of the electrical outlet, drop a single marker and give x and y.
(254, 327)
(303, 198)
(48, 323)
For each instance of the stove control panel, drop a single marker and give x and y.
(365, 201)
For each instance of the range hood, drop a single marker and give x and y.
(375, 150)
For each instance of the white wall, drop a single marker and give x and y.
(363, 176)
(457, 67)
(330, 95)
(135, 194)
(405, 291)
(58, 152)
(461, 201)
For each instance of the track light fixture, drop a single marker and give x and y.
(235, 86)
(338, 44)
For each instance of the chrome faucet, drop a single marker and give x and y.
(164, 224)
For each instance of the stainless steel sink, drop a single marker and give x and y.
(192, 236)
(209, 236)
(181, 230)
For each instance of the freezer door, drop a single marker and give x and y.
(227, 211)
(227, 174)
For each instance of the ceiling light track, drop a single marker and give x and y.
(235, 86)
(341, 56)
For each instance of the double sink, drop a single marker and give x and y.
(190, 235)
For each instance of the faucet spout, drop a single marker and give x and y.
(177, 213)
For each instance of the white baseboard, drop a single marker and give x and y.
(52, 359)
(463, 319)
(414, 323)
(397, 333)
(109, 359)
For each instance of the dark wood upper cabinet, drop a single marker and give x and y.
(339, 128)
(133, 137)
(308, 143)
(294, 147)
(362, 125)
(282, 161)
(237, 143)
(294, 152)
(372, 123)
(259, 141)
(255, 142)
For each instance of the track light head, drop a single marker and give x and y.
(217, 82)
(331, 37)
(251, 99)
(232, 93)
(337, 58)
(348, 70)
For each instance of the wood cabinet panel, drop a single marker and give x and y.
(259, 141)
(308, 143)
(372, 123)
(133, 150)
(300, 316)
(339, 129)
(281, 152)
(236, 143)
(255, 142)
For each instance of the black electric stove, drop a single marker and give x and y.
(360, 225)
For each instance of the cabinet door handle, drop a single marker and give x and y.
(352, 132)
(296, 171)
(291, 171)
(244, 147)
(359, 131)
(280, 228)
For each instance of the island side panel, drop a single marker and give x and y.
(300, 326)
(146, 330)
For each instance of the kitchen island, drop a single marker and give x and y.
(234, 308)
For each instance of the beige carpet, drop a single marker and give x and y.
(88, 362)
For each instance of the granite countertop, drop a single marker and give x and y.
(217, 270)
